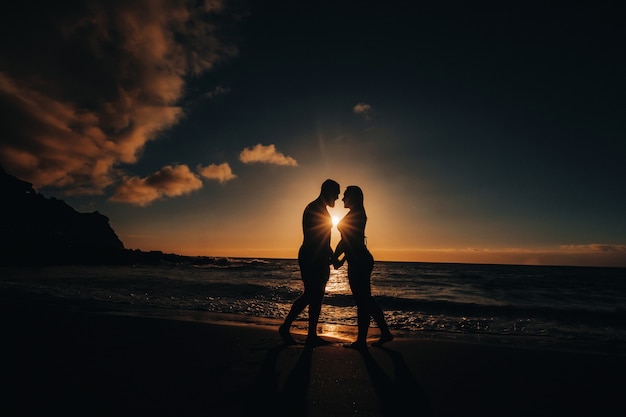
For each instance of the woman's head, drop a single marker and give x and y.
(353, 197)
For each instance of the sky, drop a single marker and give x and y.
(481, 133)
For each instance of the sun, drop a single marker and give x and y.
(336, 214)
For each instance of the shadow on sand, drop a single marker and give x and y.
(269, 396)
(401, 395)
(280, 395)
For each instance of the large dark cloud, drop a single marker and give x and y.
(85, 85)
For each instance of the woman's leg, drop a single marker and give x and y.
(359, 287)
(379, 318)
(363, 318)
(377, 313)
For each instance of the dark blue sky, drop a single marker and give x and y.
(478, 133)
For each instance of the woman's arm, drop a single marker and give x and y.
(339, 250)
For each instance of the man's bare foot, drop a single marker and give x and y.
(384, 338)
(286, 336)
(313, 341)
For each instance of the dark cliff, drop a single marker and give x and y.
(35, 230)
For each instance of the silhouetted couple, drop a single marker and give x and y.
(316, 255)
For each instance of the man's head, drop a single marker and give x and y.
(330, 192)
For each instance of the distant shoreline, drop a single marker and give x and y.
(156, 257)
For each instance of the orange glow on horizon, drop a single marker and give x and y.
(390, 238)
(471, 256)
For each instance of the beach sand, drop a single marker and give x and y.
(63, 358)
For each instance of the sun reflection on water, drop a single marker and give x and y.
(338, 281)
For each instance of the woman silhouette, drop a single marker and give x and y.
(360, 265)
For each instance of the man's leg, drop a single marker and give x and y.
(315, 286)
(315, 309)
(298, 307)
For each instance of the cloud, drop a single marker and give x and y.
(608, 255)
(169, 181)
(221, 172)
(266, 155)
(595, 248)
(217, 91)
(363, 109)
(84, 88)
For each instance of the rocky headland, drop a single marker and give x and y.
(35, 230)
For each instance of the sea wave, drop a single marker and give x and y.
(564, 303)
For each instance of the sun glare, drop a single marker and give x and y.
(336, 220)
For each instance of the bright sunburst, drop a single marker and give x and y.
(336, 220)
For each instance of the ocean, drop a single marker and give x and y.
(579, 308)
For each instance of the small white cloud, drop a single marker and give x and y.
(217, 91)
(362, 109)
(221, 172)
(266, 155)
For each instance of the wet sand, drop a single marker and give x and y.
(62, 358)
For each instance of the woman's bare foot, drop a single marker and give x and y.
(358, 345)
(286, 336)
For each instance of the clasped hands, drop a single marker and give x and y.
(337, 263)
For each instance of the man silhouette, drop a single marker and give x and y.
(314, 259)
